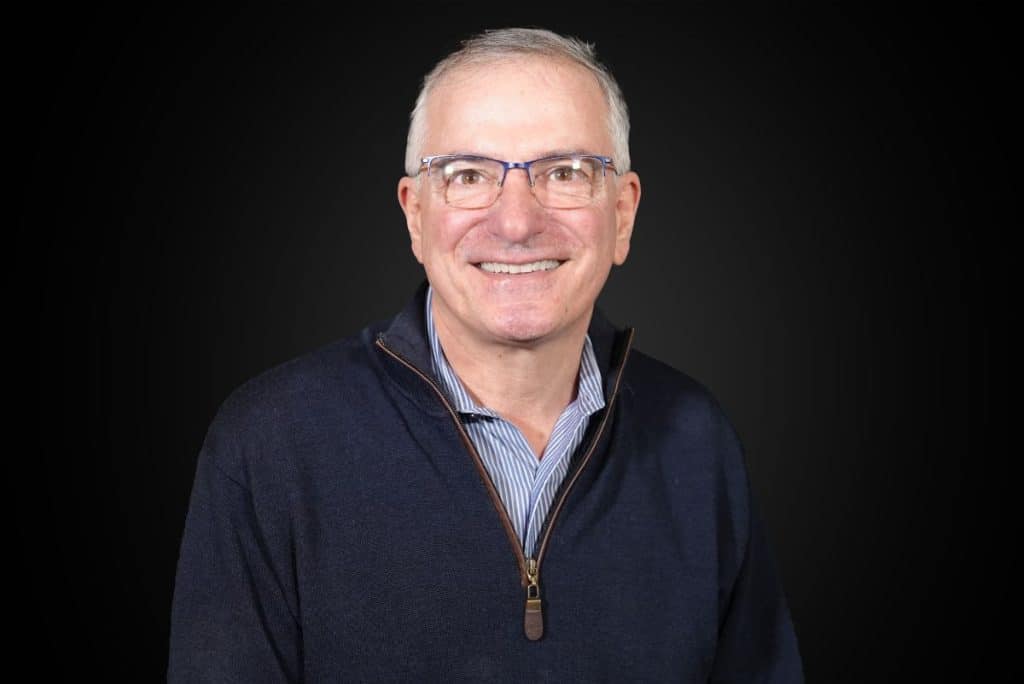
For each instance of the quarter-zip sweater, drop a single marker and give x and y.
(342, 528)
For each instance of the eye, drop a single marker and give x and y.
(569, 171)
(467, 173)
(563, 174)
(467, 177)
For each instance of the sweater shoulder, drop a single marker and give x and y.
(651, 381)
(288, 387)
(680, 419)
(270, 417)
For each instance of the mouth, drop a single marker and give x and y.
(531, 267)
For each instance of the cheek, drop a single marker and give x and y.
(595, 231)
(580, 230)
(444, 231)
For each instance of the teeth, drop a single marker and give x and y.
(498, 267)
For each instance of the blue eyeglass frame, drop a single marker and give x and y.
(524, 165)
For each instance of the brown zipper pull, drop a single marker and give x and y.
(533, 622)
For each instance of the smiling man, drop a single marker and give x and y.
(494, 485)
(516, 257)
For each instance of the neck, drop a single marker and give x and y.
(529, 386)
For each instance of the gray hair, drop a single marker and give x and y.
(512, 42)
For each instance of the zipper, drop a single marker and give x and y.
(590, 452)
(533, 621)
(529, 568)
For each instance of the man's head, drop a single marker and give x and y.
(519, 95)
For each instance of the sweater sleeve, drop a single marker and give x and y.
(233, 617)
(756, 641)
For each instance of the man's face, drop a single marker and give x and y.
(518, 110)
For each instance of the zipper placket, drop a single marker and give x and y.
(529, 568)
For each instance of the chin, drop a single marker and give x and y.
(523, 329)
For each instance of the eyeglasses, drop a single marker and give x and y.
(562, 182)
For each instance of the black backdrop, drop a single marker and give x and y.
(198, 197)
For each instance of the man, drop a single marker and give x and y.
(493, 485)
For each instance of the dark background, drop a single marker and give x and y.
(821, 241)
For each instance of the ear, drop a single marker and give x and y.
(409, 199)
(626, 203)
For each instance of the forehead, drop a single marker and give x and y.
(517, 108)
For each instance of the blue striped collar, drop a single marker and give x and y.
(589, 397)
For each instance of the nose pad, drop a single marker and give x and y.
(518, 185)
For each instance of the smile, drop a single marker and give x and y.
(499, 267)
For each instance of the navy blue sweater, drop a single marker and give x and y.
(341, 528)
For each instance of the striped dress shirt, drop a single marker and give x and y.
(526, 484)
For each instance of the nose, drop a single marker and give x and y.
(517, 214)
